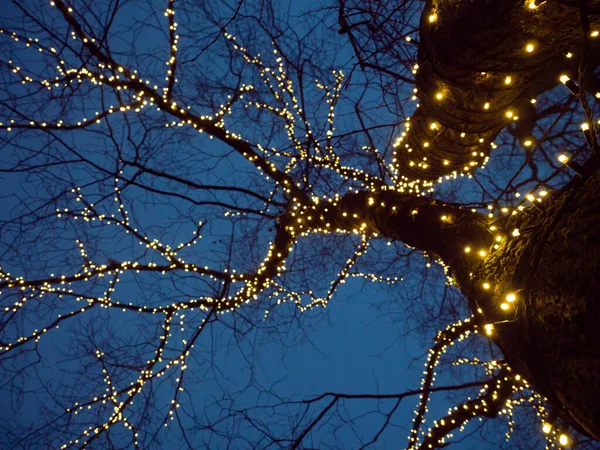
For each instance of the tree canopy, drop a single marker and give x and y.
(188, 180)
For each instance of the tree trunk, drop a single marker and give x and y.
(552, 336)
(477, 75)
(550, 333)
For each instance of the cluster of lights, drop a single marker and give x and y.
(424, 160)
(453, 333)
(306, 216)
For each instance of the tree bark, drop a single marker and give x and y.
(467, 51)
(441, 229)
(552, 335)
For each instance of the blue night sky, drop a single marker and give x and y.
(248, 372)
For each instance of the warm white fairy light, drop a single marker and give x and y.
(563, 440)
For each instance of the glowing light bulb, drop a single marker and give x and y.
(563, 158)
(504, 306)
(563, 440)
(585, 126)
(508, 80)
(546, 428)
(511, 297)
(486, 285)
(530, 48)
(564, 78)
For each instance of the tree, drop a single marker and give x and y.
(171, 178)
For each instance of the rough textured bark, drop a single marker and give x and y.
(466, 53)
(552, 337)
